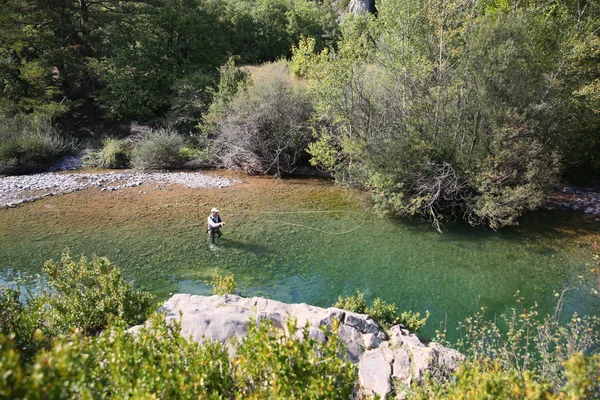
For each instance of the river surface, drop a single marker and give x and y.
(308, 241)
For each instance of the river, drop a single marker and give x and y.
(306, 240)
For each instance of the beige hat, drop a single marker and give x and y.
(214, 209)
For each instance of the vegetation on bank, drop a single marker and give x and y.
(384, 313)
(72, 339)
(446, 110)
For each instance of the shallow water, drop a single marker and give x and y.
(307, 241)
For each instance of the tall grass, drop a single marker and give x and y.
(29, 143)
(114, 153)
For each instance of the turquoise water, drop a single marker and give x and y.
(298, 253)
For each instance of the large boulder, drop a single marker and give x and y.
(380, 359)
(358, 7)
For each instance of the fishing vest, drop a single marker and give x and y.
(215, 220)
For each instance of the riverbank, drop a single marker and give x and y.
(66, 178)
(15, 190)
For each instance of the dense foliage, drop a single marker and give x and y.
(139, 59)
(76, 294)
(114, 153)
(450, 110)
(264, 127)
(523, 356)
(159, 362)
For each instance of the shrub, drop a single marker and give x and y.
(265, 128)
(23, 322)
(160, 149)
(222, 284)
(30, 143)
(276, 363)
(384, 313)
(113, 154)
(159, 363)
(88, 294)
(489, 380)
(522, 341)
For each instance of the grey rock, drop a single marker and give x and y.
(374, 371)
(358, 7)
(401, 367)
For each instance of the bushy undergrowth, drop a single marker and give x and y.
(29, 143)
(71, 340)
(88, 294)
(80, 294)
(115, 153)
(160, 363)
(489, 380)
(265, 128)
(386, 314)
(159, 149)
(523, 355)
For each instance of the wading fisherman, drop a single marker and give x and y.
(214, 224)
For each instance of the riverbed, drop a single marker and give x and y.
(306, 240)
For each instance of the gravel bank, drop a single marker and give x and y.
(15, 190)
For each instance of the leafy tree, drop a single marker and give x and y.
(443, 118)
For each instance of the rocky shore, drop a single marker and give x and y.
(577, 199)
(388, 362)
(15, 190)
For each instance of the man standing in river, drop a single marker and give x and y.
(214, 224)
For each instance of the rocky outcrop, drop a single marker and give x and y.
(360, 6)
(383, 361)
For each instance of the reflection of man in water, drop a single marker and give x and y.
(214, 224)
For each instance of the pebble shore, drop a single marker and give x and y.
(15, 190)
(585, 200)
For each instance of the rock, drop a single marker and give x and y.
(358, 7)
(401, 367)
(568, 190)
(374, 371)
(402, 357)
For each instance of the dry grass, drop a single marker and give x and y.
(264, 73)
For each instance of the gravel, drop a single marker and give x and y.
(15, 190)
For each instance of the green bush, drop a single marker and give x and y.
(489, 380)
(113, 154)
(522, 341)
(384, 313)
(88, 294)
(160, 149)
(24, 322)
(159, 363)
(222, 284)
(276, 363)
(30, 143)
